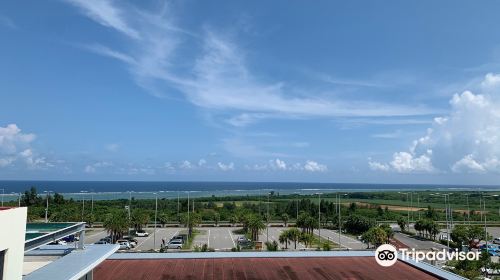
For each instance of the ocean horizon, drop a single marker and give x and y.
(171, 189)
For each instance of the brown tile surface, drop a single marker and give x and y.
(256, 268)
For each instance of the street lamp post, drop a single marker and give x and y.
(188, 218)
(3, 193)
(156, 214)
(340, 220)
(267, 219)
(47, 194)
(319, 218)
(408, 212)
(484, 209)
(446, 206)
(418, 205)
(129, 206)
(178, 204)
(83, 204)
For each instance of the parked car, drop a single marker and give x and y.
(141, 233)
(71, 238)
(58, 242)
(175, 244)
(242, 240)
(133, 242)
(124, 244)
(178, 237)
(496, 240)
(101, 242)
(106, 239)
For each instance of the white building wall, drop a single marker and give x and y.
(12, 233)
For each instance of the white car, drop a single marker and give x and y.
(58, 242)
(141, 233)
(175, 244)
(496, 240)
(124, 245)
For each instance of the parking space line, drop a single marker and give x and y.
(232, 238)
(149, 236)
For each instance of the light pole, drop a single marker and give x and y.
(178, 204)
(484, 208)
(319, 219)
(297, 206)
(408, 201)
(340, 220)
(92, 202)
(18, 198)
(47, 194)
(468, 209)
(418, 205)
(129, 206)
(156, 214)
(267, 219)
(188, 218)
(83, 204)
(446, 206)
(3, 193)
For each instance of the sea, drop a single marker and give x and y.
(104, 190)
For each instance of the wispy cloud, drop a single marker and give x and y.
(107, 14)
(218, 78)
(7, 22)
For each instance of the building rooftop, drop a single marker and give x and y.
(262, 265)
(74, 265)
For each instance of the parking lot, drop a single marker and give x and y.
(218, 238)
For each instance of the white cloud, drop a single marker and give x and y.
(89, 169)
(313, 166)
(277, 164)
(220, 79)
(202, 162)
(16, 146)
(465, 141)
(225, 167)
(106, 14)
(186, 165)
(378, 166)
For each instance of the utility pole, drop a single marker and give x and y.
(3, 193)
(156, 214)
(267, 219)
(188, 217)
(319, 218)
(47, 194)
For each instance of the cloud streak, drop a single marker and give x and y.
(216, 78)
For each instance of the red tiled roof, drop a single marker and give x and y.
(256, 268)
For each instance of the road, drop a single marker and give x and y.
(346, 241)
(418, 244)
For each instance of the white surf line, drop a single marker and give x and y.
(232, 237)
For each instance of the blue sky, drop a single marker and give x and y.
(335, 91)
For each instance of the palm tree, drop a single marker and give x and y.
(284, 238)
(294, 235)
(306, 238)
(255, 225)
(139, 219)
(193, 221)
(233, 219)
(163, 219)
(284, 217)
(115, 224)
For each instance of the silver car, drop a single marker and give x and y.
(175, 244)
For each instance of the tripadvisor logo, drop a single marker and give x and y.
(387, 255)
